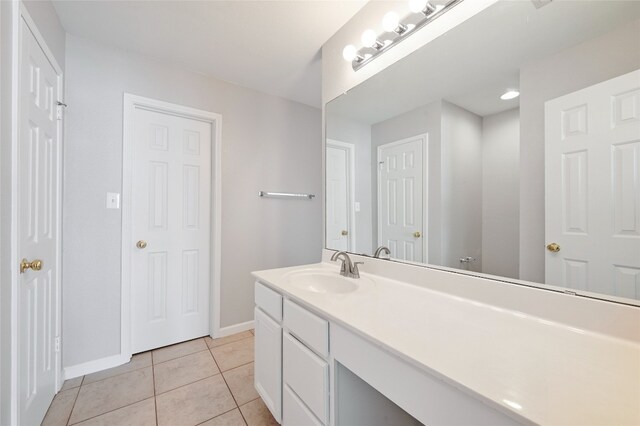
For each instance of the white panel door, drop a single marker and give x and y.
(400, 198)
(593, 188)
(38, 231)
(338, 197)
(171, 202)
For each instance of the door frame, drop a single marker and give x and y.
(20, 14)
(424, 137)
(131, 102)
(351, 189)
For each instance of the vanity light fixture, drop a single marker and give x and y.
(391, 23)
(510, 94)
(421, 6)
(370, 39)
(350, 54)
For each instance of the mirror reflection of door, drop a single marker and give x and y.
(592, 193)
(339, 200)
(400, 198)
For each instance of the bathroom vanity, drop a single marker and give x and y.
(332, 350)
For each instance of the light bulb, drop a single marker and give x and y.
(511, 94)
(349, 52)
(390, 22)
(417, 6)
(369, 38)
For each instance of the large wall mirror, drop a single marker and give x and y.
(439, 159)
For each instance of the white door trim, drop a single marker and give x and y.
(425, 189)
(351, 215)
(18, 14)
(131, 102)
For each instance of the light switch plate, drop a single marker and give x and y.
(113, 200)
(357, 206)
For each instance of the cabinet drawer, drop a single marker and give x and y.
(307, 375)
(294, 412)
(308, 327)
(269, 301)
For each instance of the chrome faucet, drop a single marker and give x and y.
(381, 249)
(347, 269)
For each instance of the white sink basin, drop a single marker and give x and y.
(325, 282)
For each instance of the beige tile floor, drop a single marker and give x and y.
(202, 381)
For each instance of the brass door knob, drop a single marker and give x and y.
(345, 232)
(141, 244)
(553, 247)
(417, 234)
(35, 265)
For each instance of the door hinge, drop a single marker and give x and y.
(57, 344)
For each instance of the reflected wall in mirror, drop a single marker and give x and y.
(439, 159)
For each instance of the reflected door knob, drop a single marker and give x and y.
(141, 244)
(417, 234)
(553, 247)
(345, 232)
(35, 265)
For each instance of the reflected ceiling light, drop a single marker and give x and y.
(512, 404)
(511, 94)
(391, 23)
(370, 39)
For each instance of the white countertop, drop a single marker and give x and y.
(545, 372)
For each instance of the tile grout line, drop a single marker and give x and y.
(230, 392)
(208, 348)
(153, 375)
(152, 363)
(74, 401)
(110, 411)
(221, 414)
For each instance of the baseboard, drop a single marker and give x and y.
(236, 328)
(94, 366)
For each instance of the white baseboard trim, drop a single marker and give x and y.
(89, 367)
(236, 328)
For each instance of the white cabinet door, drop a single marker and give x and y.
(268, 362)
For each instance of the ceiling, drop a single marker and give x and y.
(476, 62)
(270, 46)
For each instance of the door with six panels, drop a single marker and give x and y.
(171, 207)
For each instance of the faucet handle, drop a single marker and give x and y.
(343, 268)
(355, 273)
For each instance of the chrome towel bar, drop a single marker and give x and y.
(284, 195)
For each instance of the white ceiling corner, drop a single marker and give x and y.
(270, 46)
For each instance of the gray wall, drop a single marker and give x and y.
(268, 143)
(359, 134)
(425, 119)
(461, 143)
(501, 193)
(584, 65)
